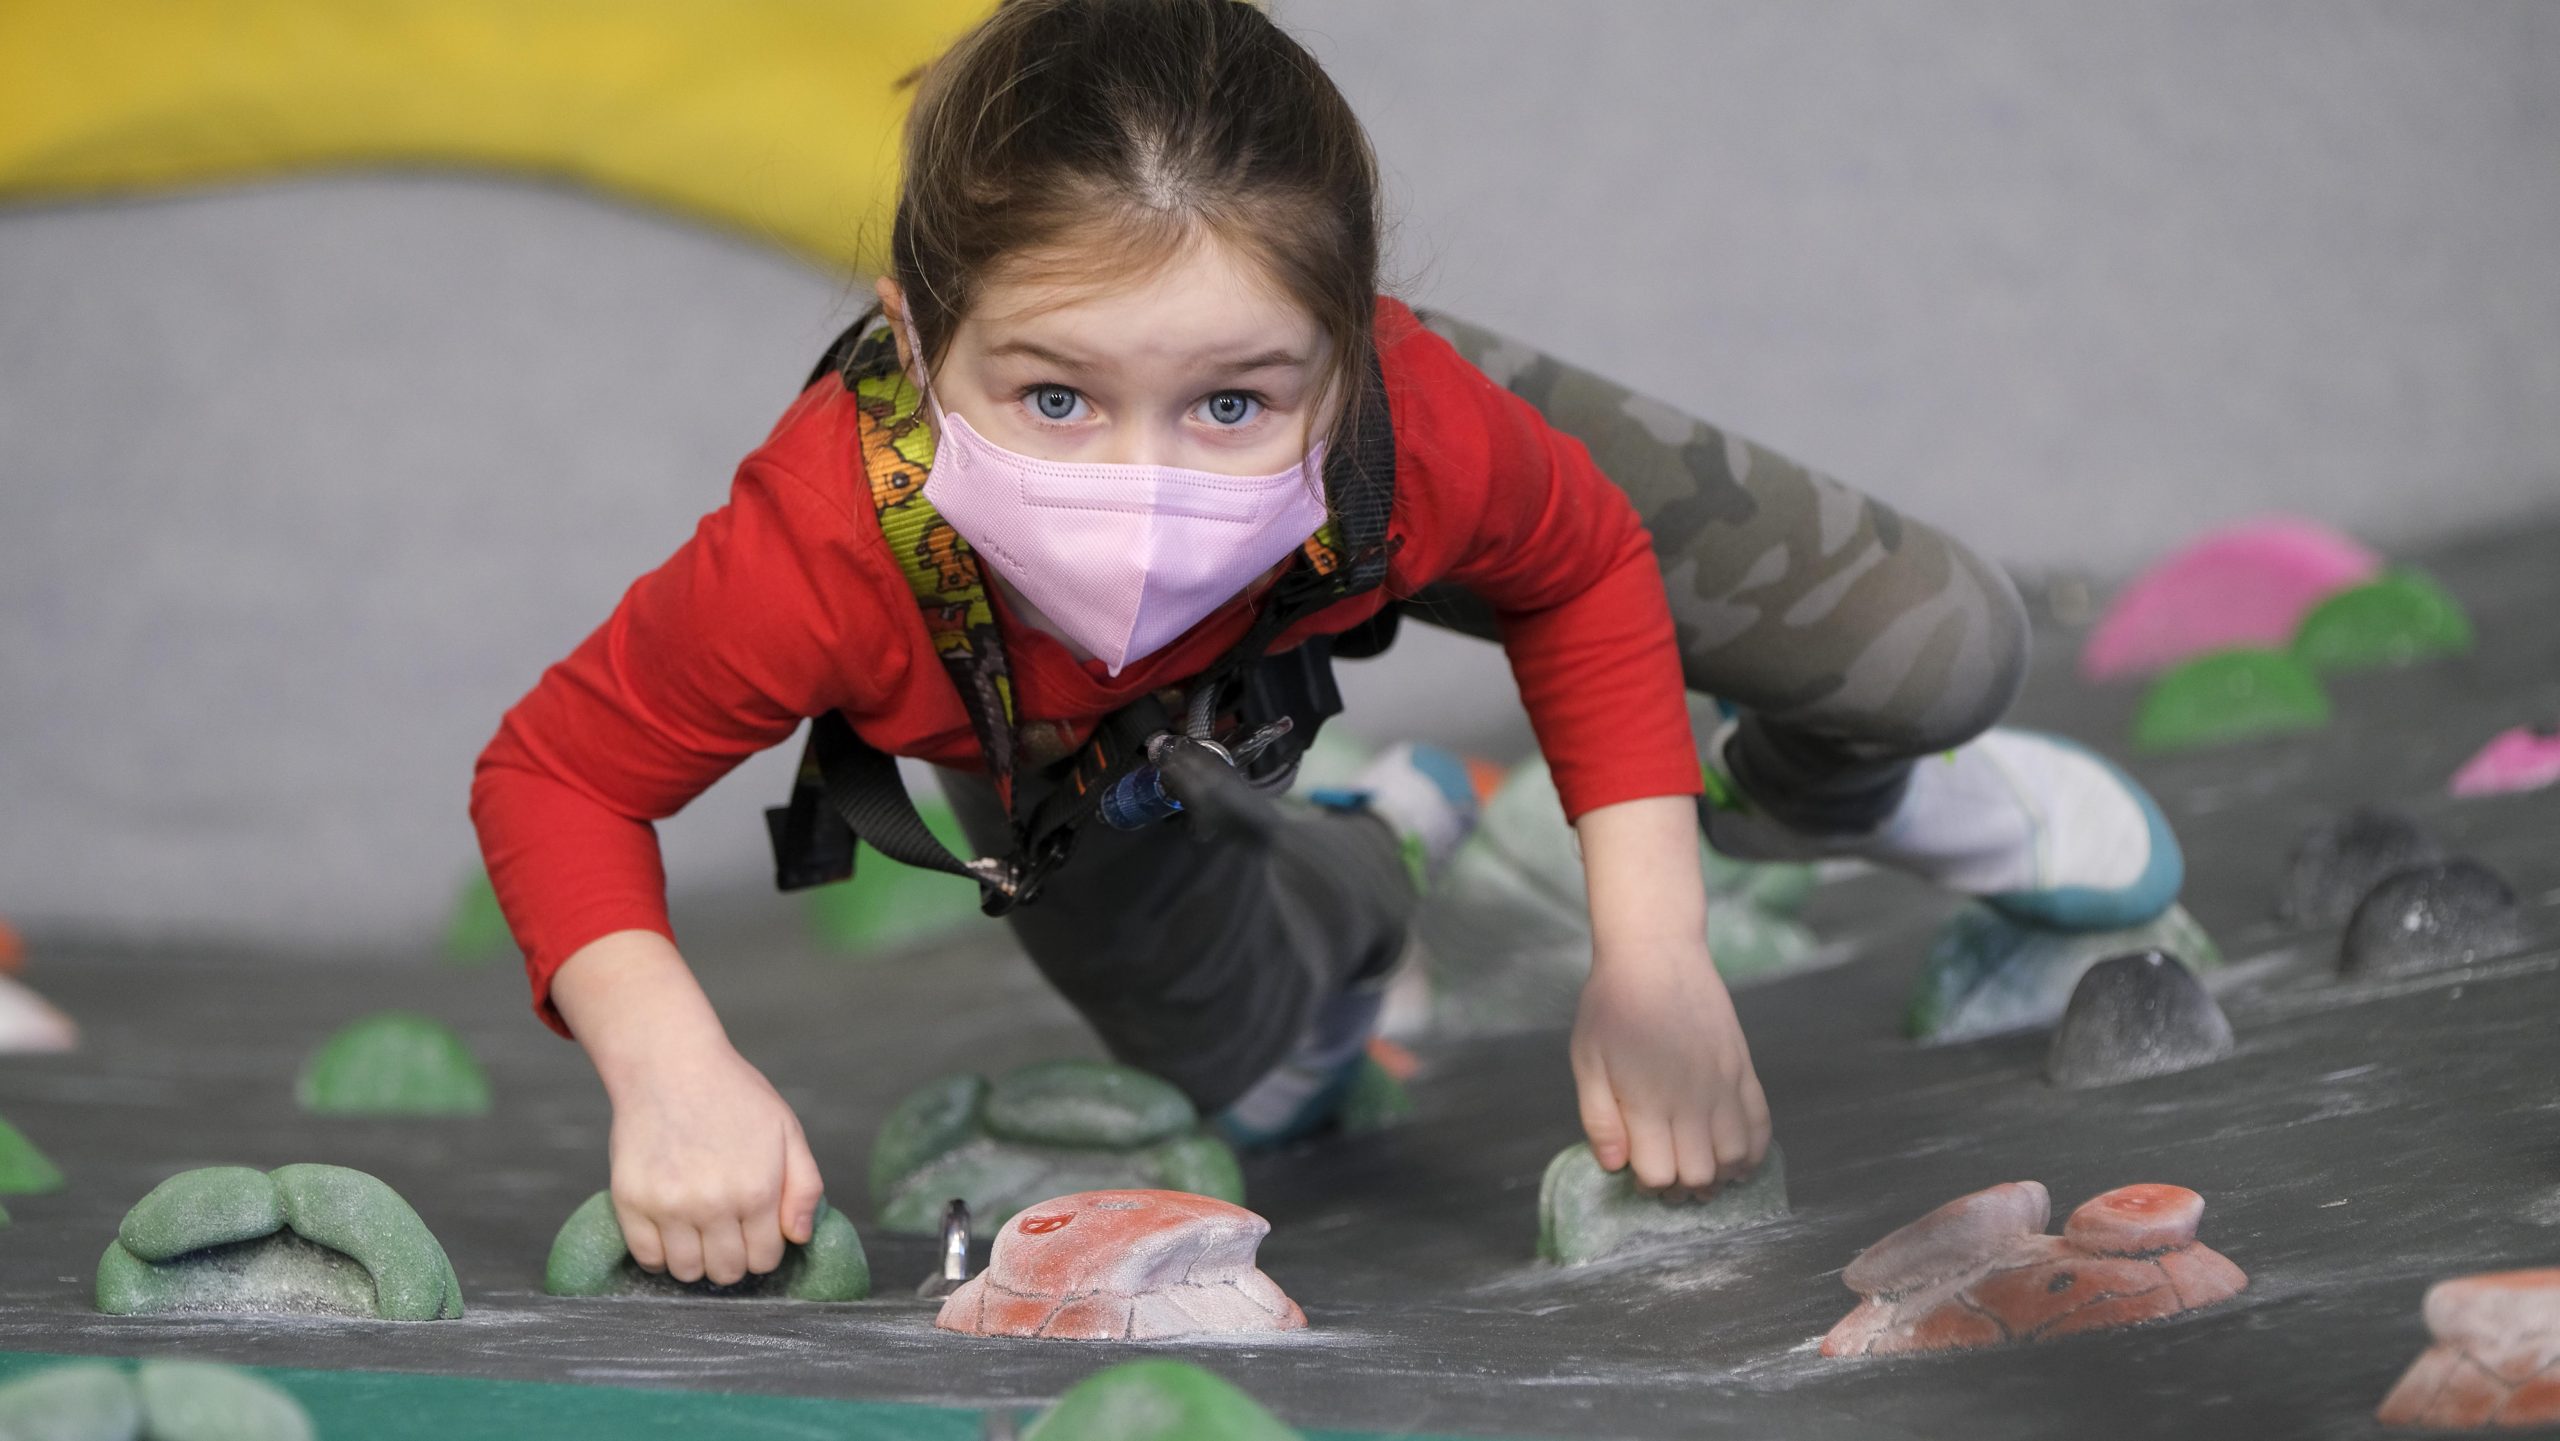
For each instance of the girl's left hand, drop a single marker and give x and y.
(1661, 1069)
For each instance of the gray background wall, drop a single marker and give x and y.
(301, 484)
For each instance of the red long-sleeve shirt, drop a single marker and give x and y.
(787, 603)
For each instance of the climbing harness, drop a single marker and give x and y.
(1254, 712)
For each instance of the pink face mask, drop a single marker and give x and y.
(1122, 558)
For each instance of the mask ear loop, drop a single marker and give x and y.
(921, 374)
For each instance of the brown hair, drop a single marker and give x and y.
(1129, 128)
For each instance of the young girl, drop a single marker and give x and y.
(1131, 415)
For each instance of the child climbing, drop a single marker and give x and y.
(1128, 448)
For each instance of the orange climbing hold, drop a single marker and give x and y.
(1124, 1266)
(1979, 1271)
(2496, 1357)
(13, 952)
(1395, 1060)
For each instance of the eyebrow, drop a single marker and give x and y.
(1036, 351)
(1276, 359)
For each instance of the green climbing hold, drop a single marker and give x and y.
(1779, 887)
(1746, 942)
(1086, 1103)
(475, 930)
(211, 1206)
(832, 1265)
(1157, 1401)
(342, 1243)
(1988, 974)
(160, 1401)
(358, 1216)
(24, 1170)
(934, 1120)
(1507, 929)
(587, 1255)
(82, 1401)
(1585, 1213)
(200, 1401)
(2402, 617)
(1045, 1130)
(889, 903)
(999, 1179)
(588, 1258)
(1201, 1164)
(394, 1064)
(2228, 696)
(1376, 1101)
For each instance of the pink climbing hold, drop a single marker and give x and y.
(2249, 584)
(2496, 1357)
(2523, 759)
(1979, 1271)
(1124, 1266)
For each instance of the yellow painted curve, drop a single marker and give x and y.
(775, 117)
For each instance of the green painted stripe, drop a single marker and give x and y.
(397, 1406)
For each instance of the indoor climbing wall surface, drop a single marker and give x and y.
(2367, 1135)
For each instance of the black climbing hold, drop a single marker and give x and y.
(2426, 919)
(2337, 861)
(2133, 1016)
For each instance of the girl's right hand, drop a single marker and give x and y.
(711, 1174)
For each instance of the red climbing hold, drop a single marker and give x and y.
(1979, 1271)
(13, 952)
(1124, 1266)
(2496, 1357)
(2247, 585)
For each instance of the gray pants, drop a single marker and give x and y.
(1199, 960)
(1851, 638)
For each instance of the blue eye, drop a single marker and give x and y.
(1055, 402)
(1231, 407)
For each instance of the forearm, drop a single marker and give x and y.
(631, 1001)
(1640, 863)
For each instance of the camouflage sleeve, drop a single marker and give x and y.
(1824, 611)
(1496, 501)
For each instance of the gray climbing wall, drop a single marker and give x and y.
(300, 485)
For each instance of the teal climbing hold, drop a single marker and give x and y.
(2229, 696)
(1988, 974)
(2402, 617)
